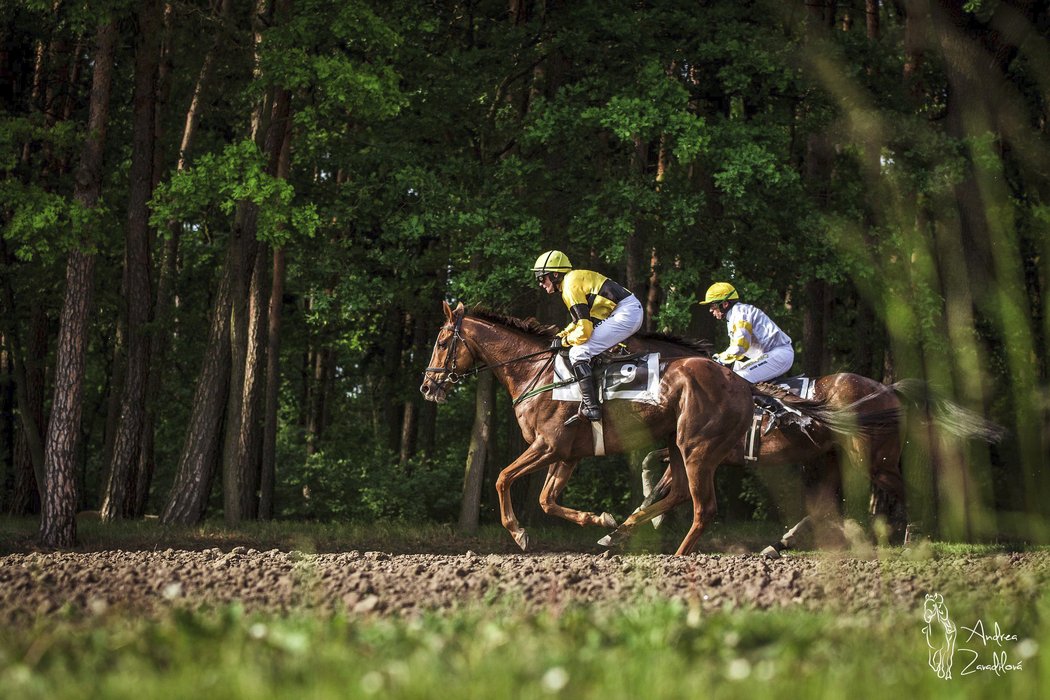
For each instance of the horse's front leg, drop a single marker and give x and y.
(557, 479)
(535, 457)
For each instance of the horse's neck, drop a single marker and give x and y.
(495, 345)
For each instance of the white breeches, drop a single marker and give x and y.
(623, 322)
(767, 366)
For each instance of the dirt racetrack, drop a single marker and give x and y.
(377, 583)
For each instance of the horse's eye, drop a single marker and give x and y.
(442, 343)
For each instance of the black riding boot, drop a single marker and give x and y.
(589, 407)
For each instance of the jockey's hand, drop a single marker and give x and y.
(558, 343)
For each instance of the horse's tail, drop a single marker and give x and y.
(847, 420)
(953, 418)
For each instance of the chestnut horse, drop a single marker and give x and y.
(703, 412)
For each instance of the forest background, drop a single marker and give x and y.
(228, 225)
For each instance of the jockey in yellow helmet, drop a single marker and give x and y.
(758, 350)
(603, 313)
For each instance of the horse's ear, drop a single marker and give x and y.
(447, 308)
(460, 310)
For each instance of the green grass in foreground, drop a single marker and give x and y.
(663, 650)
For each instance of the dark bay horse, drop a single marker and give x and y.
(876, 452)
(821, 449)
(703, 412)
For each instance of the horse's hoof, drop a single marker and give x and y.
(607, 520)
(771, 552)
(522, 538)
(614, 538)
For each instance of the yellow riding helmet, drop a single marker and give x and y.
(719, 291)
(551, 261)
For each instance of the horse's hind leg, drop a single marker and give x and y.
(887, 486)
(552, 490)
(790, 538)
(670, 491)
(823, 498)
(654, 489)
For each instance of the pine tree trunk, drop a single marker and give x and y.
(814, 328)
(411, 420)
(268, 471)
(58, 508)
(168, 269)
(817, 174)
(268, 122)
(7, 431)
(29, 445)
(321, 380)
(427, 430)
(268, 467)
(138, 288)
(916, 20)
(188, 498)
(58, 527)
(245, 469)
(391, 355)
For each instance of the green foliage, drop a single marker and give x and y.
(45, 226)
(208, 193)
(369, 488)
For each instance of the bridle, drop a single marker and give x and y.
(453, 376)
(449, 369)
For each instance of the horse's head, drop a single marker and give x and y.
(450, 358)
(933, 607)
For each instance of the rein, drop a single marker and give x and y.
(455, 377)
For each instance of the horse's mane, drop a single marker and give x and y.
(531, 325)
(703, 347)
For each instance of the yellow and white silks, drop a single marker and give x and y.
(758, 350)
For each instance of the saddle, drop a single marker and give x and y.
(618, 352)
(800, 385)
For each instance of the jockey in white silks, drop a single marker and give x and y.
(758, 350)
